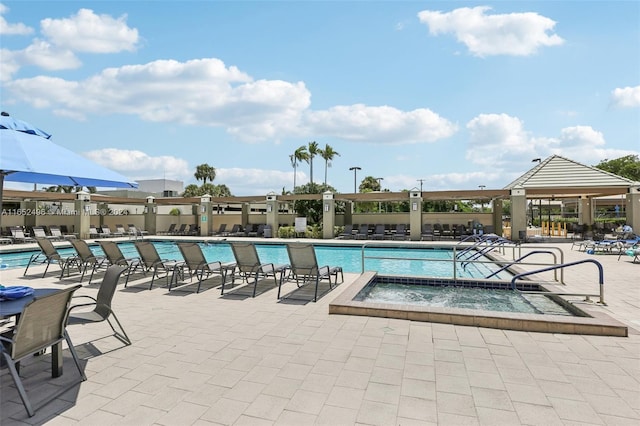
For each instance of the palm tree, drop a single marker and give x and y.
(205, 172)
(298, 157)
(313, 151)
(327, 153)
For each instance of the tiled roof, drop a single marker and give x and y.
(557, 172)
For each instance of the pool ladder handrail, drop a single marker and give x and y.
(490, 240)
(555, 261)
(562, 266)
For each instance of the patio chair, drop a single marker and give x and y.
(57, 232)
(115, 257)
(236, 230)
(304, 267)
(136, 233)
(378, 232)
(181, 230)
(86, 258)
(18, 235)
(363, 232)
(249, 265)
(49, 254)
(120, 229)
(102, 304)
(94, 233)
(427, 232)
(169, 231)
(106, 232)
(151, 261)
(221, 231)
(39, 232)
(198, 266)
(40, 325)
(401, 232)
(347, 232)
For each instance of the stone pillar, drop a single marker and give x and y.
(415, 214)
(585, 213)
(272, 214)
(82, 220)
(103, 210)
(151, 216)
(30, 208)
(328, 215)
(244, 215)
(518, 213)
(632, 207)
(204, 216)
(496, 208)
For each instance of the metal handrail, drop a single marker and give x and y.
(562, 266)
(454, 260)
(555, 261)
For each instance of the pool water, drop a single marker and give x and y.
(350, 258)
(460, 297)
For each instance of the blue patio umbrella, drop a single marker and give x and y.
(27, 155)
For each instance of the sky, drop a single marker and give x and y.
(422, 94)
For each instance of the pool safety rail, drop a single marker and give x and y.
(463, 255)
(565, 265)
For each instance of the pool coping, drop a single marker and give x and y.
(597, 323)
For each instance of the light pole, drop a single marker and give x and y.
(380, 186)
(355, 179)
(482, 187)
(421, 180)
(539, 160)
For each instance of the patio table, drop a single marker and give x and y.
(14, 307)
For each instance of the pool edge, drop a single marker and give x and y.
(598, 323)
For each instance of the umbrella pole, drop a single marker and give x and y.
(1, 195)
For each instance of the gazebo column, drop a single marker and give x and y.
(496, 208)
(151, 215)
(632, 208)
(272, 214)
(205, 215)
(585, 212)
(518, 213)
(328, 215)
(83, 216)
(415, 215)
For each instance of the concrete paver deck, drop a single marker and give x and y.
(203, 359)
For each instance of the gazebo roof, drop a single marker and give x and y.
(558, 175)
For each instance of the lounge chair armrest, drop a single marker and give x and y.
(82, 305)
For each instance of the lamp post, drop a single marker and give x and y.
(539, 160)
(355, 179)
(482, 187)
(421, 180)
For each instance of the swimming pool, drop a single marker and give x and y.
(388, 261)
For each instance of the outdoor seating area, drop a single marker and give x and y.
(235, 357)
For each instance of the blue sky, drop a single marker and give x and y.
(458, 94)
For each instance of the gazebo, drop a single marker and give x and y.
(558, 177)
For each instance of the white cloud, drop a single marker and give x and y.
(626, 97)
(140, 165)
(500, 142)
(206, 92)
(88, 32)
(384, 124)
(496, 140)
(519, 34)
(83, 32)
(12, 29)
